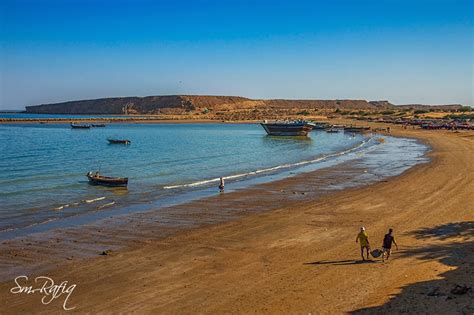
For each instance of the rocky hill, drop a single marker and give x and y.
(176, 104)
(189, 104)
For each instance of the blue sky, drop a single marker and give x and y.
(416, 51)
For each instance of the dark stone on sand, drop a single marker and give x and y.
(106, 252)
(435, 292)
(460, 289)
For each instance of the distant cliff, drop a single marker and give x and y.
(182, 104)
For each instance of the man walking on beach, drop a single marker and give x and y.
(363, 239)
(387, 244)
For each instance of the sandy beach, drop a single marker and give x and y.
(299, 256)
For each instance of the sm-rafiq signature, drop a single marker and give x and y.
(46, 287)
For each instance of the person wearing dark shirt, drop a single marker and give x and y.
(221, 184)
(387, 244)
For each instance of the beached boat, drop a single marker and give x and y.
(288, 128)
(321, 126)
(96, 179)
(338, 127)
(98, 125)
(119, 141)
(76, 126)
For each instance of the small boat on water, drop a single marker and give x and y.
(119, 141)
(98, 125)
(332, 130)
(288, 128)
(77, 126)
(96, 179)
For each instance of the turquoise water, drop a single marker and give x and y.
(56, 116)
(43, 167)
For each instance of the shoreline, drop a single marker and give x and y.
(362, 153)
(353, 167)
(248, 253)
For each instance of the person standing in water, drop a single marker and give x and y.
(363, 239)
(387, 244)
(221, 185)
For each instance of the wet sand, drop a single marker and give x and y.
(298, 256)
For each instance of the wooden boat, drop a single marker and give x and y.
(288, 128)
(338, 127)
(321, 126)
(98, 125)
(119, 141)
(75, 126)
(96, 179)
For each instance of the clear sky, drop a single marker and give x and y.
(405, 51)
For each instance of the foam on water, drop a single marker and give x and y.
(271, 169)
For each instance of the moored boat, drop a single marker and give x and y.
(119, 141)
(321, 125)
(332, 130)
(96, 179)
(77, 126)
(338, 127)
(288, 128)
(98, 125)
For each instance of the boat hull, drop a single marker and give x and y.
(80, 126)
(114, 141)
(108, 181)
(287, 129)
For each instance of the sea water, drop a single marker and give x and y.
(43, 166)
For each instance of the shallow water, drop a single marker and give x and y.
(16, 115)
(43, 167)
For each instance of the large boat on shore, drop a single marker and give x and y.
(288, 128)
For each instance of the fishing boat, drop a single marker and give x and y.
(338, 127)
(119, 141)
(321, 126)
(96, 179)
(288, 128)
(76, 126)
(98, 125)
(332, 130)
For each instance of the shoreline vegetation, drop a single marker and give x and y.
(298, 257)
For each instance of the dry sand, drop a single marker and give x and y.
(302, 258)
